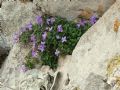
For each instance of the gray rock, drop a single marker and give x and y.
(92, 53)
(72, 8)
(96, 82)
(15, 15)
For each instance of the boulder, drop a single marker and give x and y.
(73, 8)
(15, 15)
(87, 67)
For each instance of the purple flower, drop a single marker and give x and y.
(93, 19)
(41, 47)
(57, 52)
(44, 35)
(33, 39)
(23, 68)
(59, 28)
(57, 36)
(34, 53)
(39, 20)
(29, 26)
(64, 39)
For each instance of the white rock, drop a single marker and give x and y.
(72, 8)
(15, 15)
(92, 52)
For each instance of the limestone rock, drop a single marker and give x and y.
(3, 43)
(12, 77)
(73, 8)
(96, 82)
(92, 53)
(113, 72)
(15, 15)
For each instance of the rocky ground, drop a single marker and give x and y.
(89, 66)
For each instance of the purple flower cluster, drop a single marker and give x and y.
(39, 37)
(93, 19)
(17, 34)
(41, 47)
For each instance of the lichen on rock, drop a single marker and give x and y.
(113, 64)
(113, 72)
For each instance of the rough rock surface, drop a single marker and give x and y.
(92, 52)
(12, 77)
(85, 69)
(72, 8)
(113, 72)
(14, 15)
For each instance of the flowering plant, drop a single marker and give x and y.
(51, 37)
